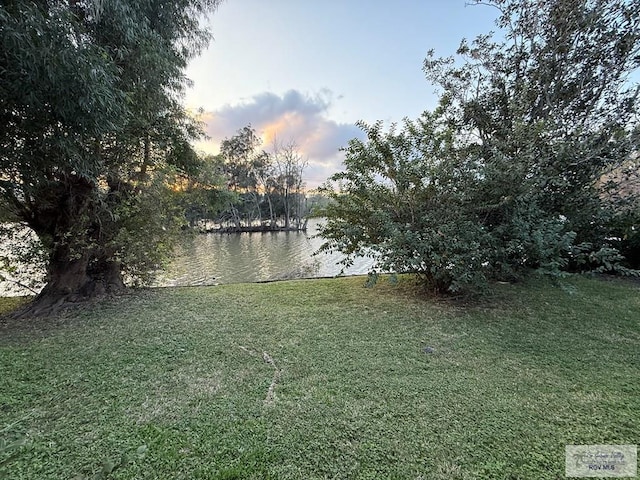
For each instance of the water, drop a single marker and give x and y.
(210, 259)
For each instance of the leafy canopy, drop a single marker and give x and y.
(94, 130)
(506, 175)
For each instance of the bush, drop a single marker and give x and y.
(420, 204)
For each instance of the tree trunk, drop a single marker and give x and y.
(72, 281)
(256, 198)
(77, 269)
(287, 211)
(272, 218)
(236, 218)
(105, 278)
(67, 282)
(65, 277)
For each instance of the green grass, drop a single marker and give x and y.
(321, 379)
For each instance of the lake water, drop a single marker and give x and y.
(214, 258)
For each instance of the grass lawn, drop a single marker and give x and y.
(321, 379)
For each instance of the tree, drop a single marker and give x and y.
(244, 164)
(505, 176)
(263, 182)
(289, 166)
(93, 132)
(552, 106)
(204, 195)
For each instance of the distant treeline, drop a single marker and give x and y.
(247, 189)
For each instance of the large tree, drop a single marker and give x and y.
(288, 181)
(93, 131)
(243, 162)
(554, 104)
(513, 171)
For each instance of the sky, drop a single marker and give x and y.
(308, 70)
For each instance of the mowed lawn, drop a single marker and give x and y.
(321, 379)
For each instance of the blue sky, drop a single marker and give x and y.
(307, 70)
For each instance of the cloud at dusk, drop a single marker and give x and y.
(292, 116)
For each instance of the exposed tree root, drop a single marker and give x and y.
(270, 398)
(52, 303)
(271, 392)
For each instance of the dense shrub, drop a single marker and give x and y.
(520, 168)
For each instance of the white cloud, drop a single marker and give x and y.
(292, 116)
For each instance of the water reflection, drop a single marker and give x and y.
(209, 259)
(250, 257)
